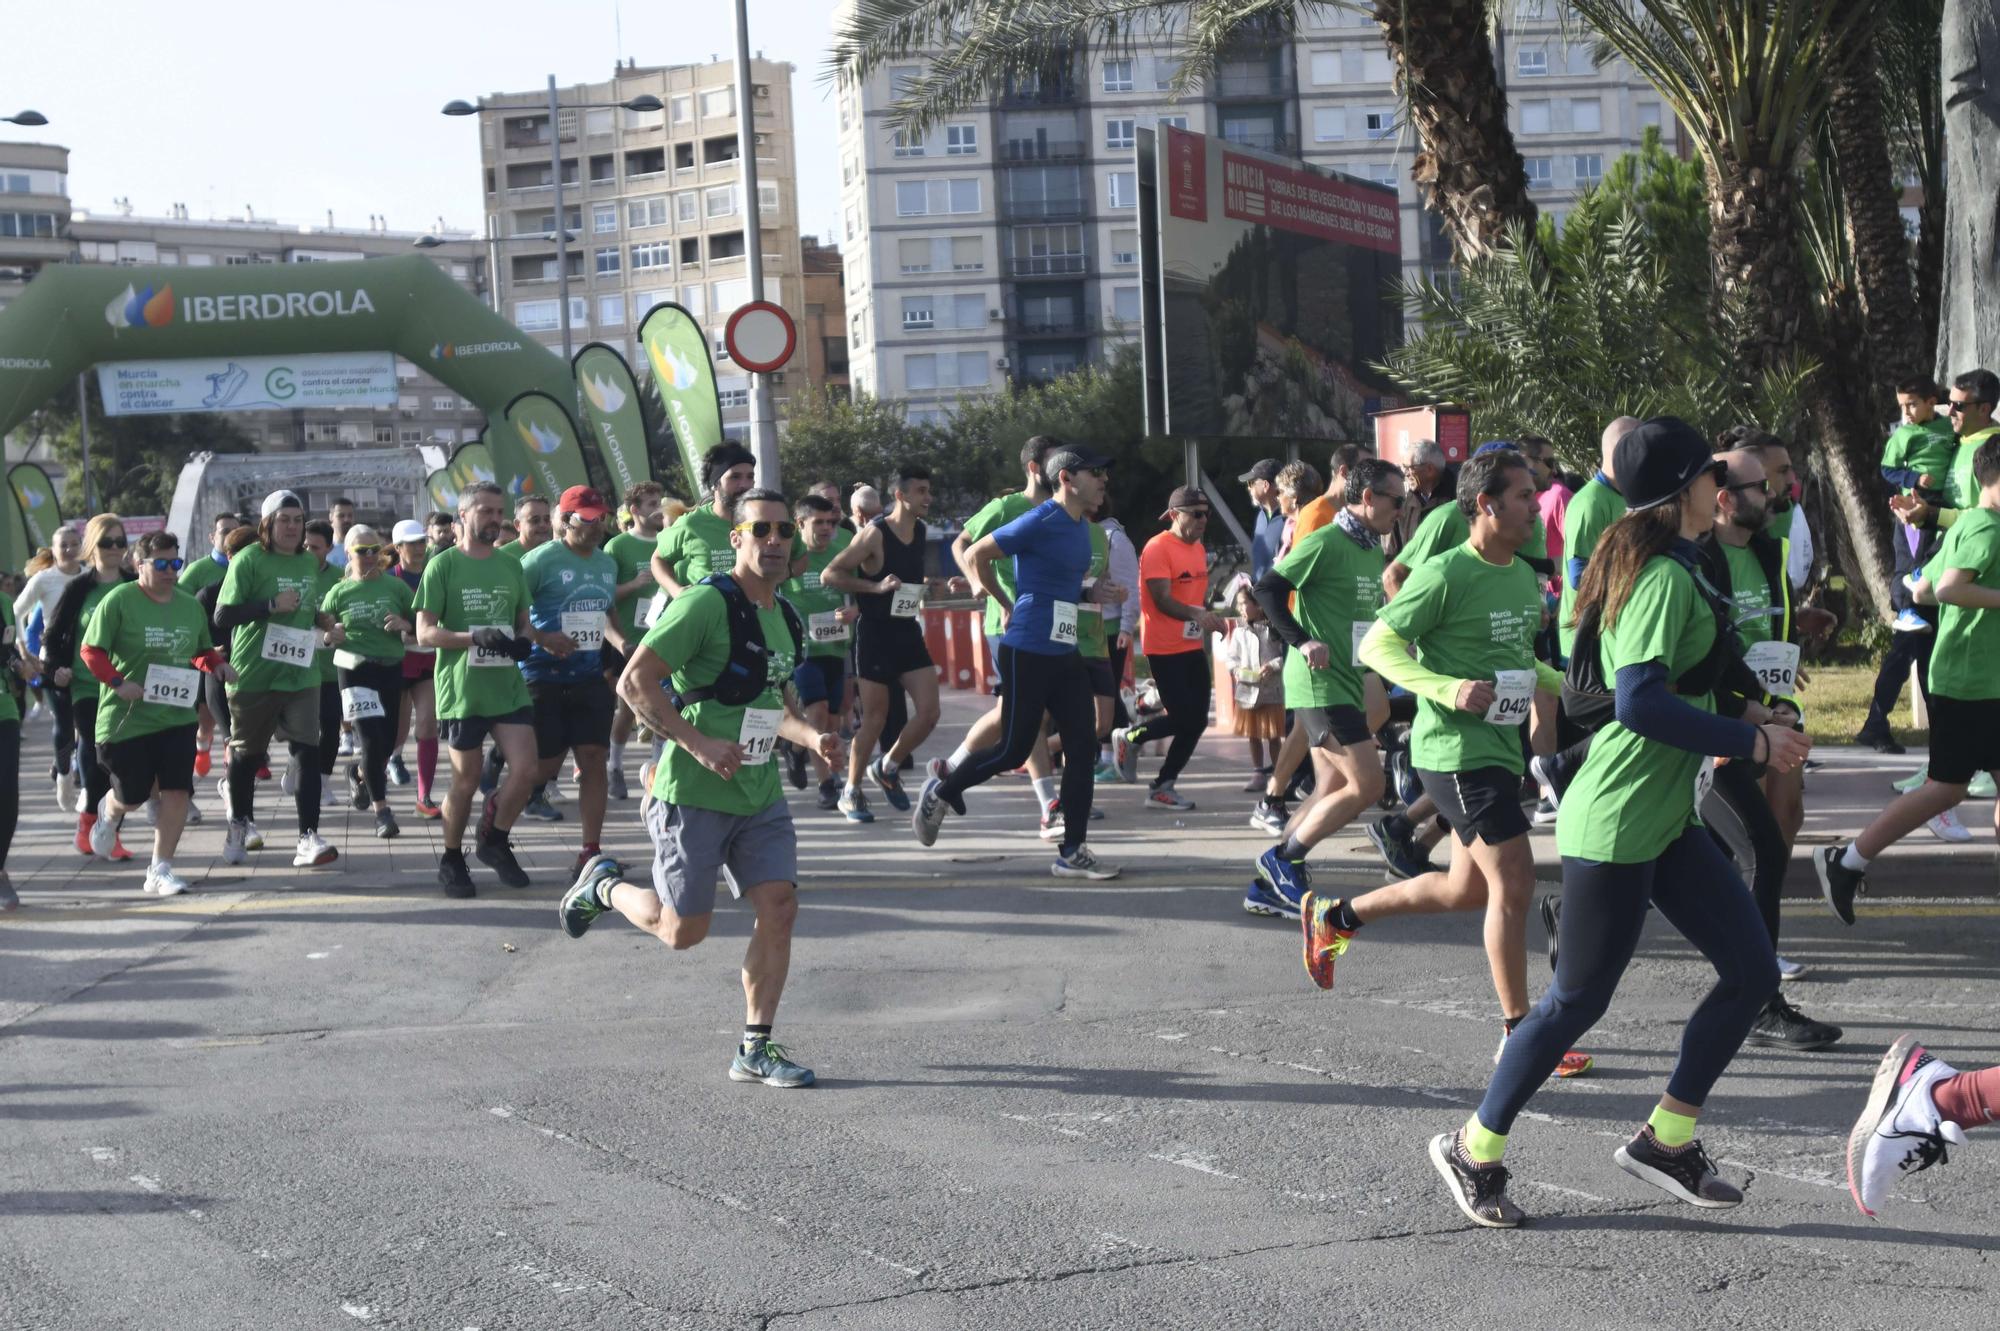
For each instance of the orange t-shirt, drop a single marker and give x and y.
(1184, 566)
(1312, 517)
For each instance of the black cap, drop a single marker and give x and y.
(1185, 496)
(1072, 457)
(1265, 469)
(1658, 459)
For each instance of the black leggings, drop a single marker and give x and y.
(10, 785)
(96, 781)
(378, 733)
(1119, 716)
(217, 695)
(65, 711)
(1603, 913)
(1033, 685)
(1185, 682)
(1905, 650)
(1739, 818)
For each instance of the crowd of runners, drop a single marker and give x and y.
(1432, 651)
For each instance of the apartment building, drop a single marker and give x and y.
(38, 227)
(1003, 245)
(655, 202)
(823, 335)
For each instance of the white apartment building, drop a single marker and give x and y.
(1004, 244)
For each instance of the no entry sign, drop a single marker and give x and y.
(760, 336)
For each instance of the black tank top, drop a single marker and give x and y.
(906, 561)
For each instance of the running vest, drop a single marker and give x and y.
(1591, 702)
(747, 671)
(905, 561)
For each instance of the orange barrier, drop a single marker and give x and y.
(1225, 692)
(958, 645)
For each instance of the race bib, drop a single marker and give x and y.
(649, 613)
(1062, 623)
(758, 735)
(1360, 629)
(826, 627)
(347, 660)
(904, 602)
(172, 686)
(1777, 664)
(1513, 695)
(1704, 781)
(585, 628)
(476, 655)
(293, 647)
(1191, 631)
(359, 704)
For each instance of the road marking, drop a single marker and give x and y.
(360, 1312)
(1201, 1164)
(1567, 1192)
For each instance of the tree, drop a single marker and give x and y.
(135, 461)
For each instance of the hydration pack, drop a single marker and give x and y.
(1591, 703)
(746, 674)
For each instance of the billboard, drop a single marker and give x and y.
(1270, 292)
(248, 383)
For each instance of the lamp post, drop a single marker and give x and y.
(560, 237)
(763, 425)
(29, 118)
(643, 102)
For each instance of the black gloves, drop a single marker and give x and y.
(499, 640)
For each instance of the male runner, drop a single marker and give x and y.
(534, 524)
(719, 806)
(1593, 508)
(821, 677)
(884, 570)
(631, 551)
(1174, 624)
(699, 543)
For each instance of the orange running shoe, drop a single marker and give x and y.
(1573, 1064)
(1325, 941)
(203, 762)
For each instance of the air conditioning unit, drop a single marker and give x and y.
(996, 314)
(1002, 363)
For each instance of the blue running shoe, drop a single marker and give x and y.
(891, 784)
(1408, 788)
(582, 904)
(1289, 879)
(767, 1062)
(1399, 853)
(1261, 900)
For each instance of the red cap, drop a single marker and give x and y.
(583, 501)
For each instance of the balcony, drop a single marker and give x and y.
(1061, 325)
(1050, 92)
(1044, 210)
(1262, 139)
(1032, 152)
(1229, 83)
(1046, 265)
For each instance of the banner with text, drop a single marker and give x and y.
(538, 430)
(677, 351)
(41, 511)
(248, 383)
(611, 408)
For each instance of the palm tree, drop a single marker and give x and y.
(1466, 166)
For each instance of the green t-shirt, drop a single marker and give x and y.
(82, 683)
(1445, 527)
(1778, 526)
(1968, 642)
(1750, 592)
(1962, 487)
(809, 598)
(1591, 509)
(630, 554)
(140, 633)
(329, 578)
(692, 637)
(997, 514)
(10, 708)
(512, 549)
(1090, 641)
(257, 574)
(1468, 619)
(466, 593)
(200, 573)
(1635, 796)
(361, 604)
(1925, 449)
(1339, 587)
(696, 545)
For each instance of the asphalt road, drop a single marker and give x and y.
(311, 1099)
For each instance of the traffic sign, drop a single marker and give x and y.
(760, 336)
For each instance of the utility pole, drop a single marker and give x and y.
(763, 423)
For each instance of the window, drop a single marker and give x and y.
(1118, 76)
(961, 140)
(1531, 62)
(718, 102)
(1534, 117)
(652, 254)
(1379, 123)
(691, 251)
(854, 330)
(1382, 173)
(1582, 60)
(607, 260)
(920, 372)
(1649, 115)
(725, 245)
(1589, 168)
(1586, 115)
(444, 402)
(680, 109)
(687, 207)
(410, 436)
(640, 119)
(407, 402)
(850, 224)
(1048, 249)
(536, 316)
(721, 201)
(914, 256)
(923, 313)
(916, 313)
(1325, 68)
(902, 78)
(901, 144)
(1118, 132)
(1377, 67)
(597, 122)
(847, 170)
(1122, 189)
(1125, 304)
(603, 217)
(1329, 123)
(731, 293)
(1539, 176)
(611, 311)
(971, 367)
(1124, 246)
(921, 198)
(968, 311)
(603, 169)
(767, 196)
(649, 211)
(1178, 122)
(968, 254)
(1165, 70)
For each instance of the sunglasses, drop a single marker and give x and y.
(1198, 514)
(113, 543)
(1955, 407)
(1719, 470)
(168, 565)
(1395, 501)
(761, 531)
(1761, 486)
(370, 550)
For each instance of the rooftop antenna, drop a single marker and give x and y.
(618, 32)
(329, 219)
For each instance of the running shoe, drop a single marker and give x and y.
(1539, 768)
(795, 765)
(927, 819)
(1325, 941)
(222, 793)
(497, 854)
(204, 762)
(161, 880)
(1946, 827)
(1259, 778)
(386, 825)
(1480, 1191)
(552, 790)
(1552, 915)
(615, 781)
(313, 851)
(233, 849)
(937, 769)
(1881, 741)
(1981, 787)
(153, 811)
(1270, 816)
(768, 1062)
(489, 772)
(1909, 621)
(289, 782)
(1259, 899)
(1408, 788)
(1105, 771)
(1782, 1026)
(1545, 813)
(453, 875)
(9, 898)
(429, 809)
(1912, 781)
(357, 789)
(1683, 1172)
(1125, 755)
(346, 749)
(829, 793)
(1399, 853)
(1289, 879)
(855, 805)
(399, 772)
(1572, 1064)
(541, 810)
(329, 794)
(1837, 882)
(104, 831)
(1165, 799)
(253, 837)
(1899, 1131)
(890, 783)
(264, 773)
(65, 791)
(1080, 863)
(193, 814)
(1789, 969)
(583, 903)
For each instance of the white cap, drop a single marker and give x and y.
(409, 529)
(278, 499)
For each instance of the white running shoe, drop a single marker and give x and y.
(330, 795)
(65, 792)
(1165, 799)
(1789, 970)
(289, 782)
(222, 792)
(82, 801)
(104, 832)
(252, 838)
(1946, 827)
(193, 813)
(313, 851)
(346, 749)
(162, 879)
(1899, 1131)
(233, 849)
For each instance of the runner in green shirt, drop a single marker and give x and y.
(104, 553)
(1593, 508)
(472, 610)
(717, 805)
(532, 521)
(697, 544)
(821, 678)
(376, 612)
(631, 550)
(199, 573)
(147, 646)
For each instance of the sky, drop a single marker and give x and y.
(294, 109)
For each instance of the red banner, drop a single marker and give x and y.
(1292, 199)
(1187, 175)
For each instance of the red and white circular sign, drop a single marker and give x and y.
(760, 336)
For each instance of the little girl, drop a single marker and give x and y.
(1254, 657)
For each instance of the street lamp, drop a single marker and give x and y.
(26, 118)
(558, 238)
(643, 102)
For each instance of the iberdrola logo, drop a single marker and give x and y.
(141, 309)
(672, 363)
(539, 437)
(606, 396)
(34, 497)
